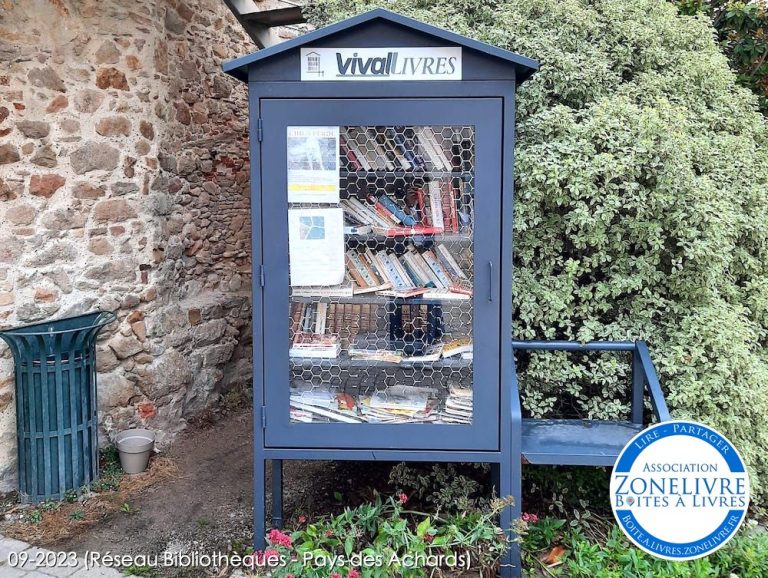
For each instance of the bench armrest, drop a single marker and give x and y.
(644, 378)
(652, 384)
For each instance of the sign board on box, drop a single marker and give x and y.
(404, 63)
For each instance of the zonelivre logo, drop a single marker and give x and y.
(679, 490)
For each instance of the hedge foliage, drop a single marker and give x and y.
(641, 206)
(742, 28)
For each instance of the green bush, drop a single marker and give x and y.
(741, 29)
(642, 177)
(746, 556)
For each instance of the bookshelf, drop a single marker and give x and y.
(403, 313)
(382, 236)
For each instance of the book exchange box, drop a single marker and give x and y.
(382, 194)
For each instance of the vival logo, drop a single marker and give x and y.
(412, 63)
(679, 490)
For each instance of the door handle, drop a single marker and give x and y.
(490, 281)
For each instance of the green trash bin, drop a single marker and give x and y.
(56, 412)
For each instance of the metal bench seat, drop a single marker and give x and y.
(570, 442)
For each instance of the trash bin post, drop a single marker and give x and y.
(56, 410)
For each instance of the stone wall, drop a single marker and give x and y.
(124, 186)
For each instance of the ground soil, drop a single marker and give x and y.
(207, 507)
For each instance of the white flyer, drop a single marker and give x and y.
(313, 164)
(316, 246)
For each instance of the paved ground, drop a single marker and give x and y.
(29, 558)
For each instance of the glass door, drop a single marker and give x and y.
(381, 233)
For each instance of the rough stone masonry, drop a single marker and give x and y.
(124, 186)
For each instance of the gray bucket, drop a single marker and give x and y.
(135, 447)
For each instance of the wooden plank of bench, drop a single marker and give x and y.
(575, 442)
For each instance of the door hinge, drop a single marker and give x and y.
(259, 130)
(262, 276)
(263, 417)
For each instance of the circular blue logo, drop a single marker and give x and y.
(679, 490)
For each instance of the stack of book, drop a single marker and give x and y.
(438, 208)
(321, 403)
(458, 405)
(382, 216)
(310, 335)
(400, 404)
(315, 345)
(343, 319)
(398, 148)
(431, 273)
(394, 405)
(376, 347)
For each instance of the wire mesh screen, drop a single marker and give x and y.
(386, 335)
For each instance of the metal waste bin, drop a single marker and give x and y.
(56, 411)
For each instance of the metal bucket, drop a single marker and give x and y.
(135, 446)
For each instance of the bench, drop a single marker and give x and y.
(576, 442)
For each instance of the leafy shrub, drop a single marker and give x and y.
(447, 487)
(579, 556)
(741, 28)
(642, 205)
(387, 531)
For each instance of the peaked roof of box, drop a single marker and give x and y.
(524, 67)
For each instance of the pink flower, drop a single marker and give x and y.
(353, 574)
(530, 518)
(278, 538)
(328, 534)
(428, 537)
(302, 519)
(266, 557)
(402, 498)
(335, 575)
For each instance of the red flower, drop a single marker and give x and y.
(278, 538)
(428, 537)
(530, 518)
(353, 574)
(402, 498)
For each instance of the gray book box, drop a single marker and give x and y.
(382, 157)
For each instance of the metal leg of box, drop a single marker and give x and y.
(277, 494)
(511, 485)
(496, 479)
(259, 502)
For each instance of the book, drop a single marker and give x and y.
(444, 281)
(431, 353)
(382, 156)
(447, 259)
(315, 345)
(348, 156)
(411, 231)
(396, 211)
(457, 347)
(403, 402)
(358, 229)
(435, 143)
(435, 204)
(343, 290)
